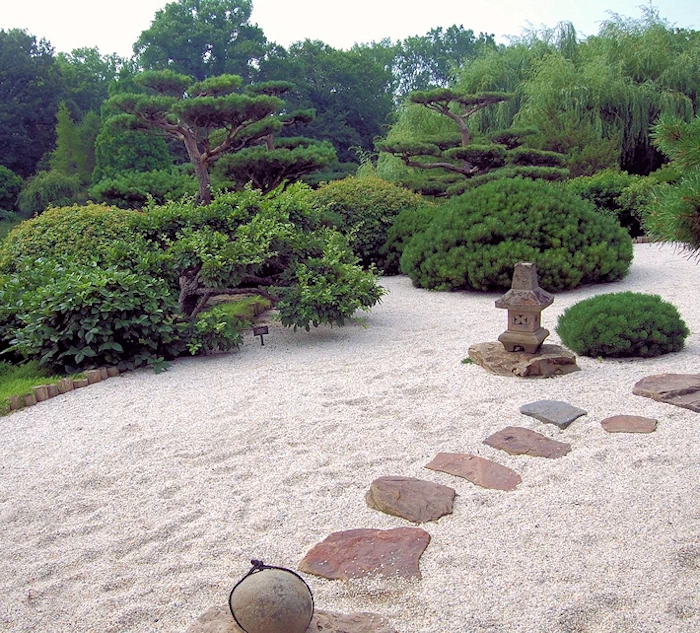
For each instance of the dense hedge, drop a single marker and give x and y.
(75, 234)
(622, 324)
(475, 240)
(406, 225)
(364, 208)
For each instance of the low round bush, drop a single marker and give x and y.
(475, 240)
(73, 233)
(364, 208)
(622, 324)
(82, 316)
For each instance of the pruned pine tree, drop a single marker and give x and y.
(211, 117)
(455, 153)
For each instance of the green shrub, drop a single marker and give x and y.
(475, 240)
(406, 225)
(622, 324)
(66, 233)
(48, 188)
(218, 329)
(78, 317)
(364, 208)
(615, 193)
(132, 189)
(10, 186)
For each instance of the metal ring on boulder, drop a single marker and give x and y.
(271, 599)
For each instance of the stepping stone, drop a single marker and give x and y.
(519, 441)
(219, 620)
(478, 470)
(553, 412)
(629, 424)
(366, 552)
(409, 498)
(682, 390)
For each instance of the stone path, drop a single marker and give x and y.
(396, 552)
(358, 553)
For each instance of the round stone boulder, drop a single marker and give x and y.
(272, 601)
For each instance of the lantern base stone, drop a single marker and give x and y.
(550, 360)
(529, 342)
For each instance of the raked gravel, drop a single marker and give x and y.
(135, 504)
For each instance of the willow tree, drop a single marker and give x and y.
(211, 117)
(599, 104)
(455, 152)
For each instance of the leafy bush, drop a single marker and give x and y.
(218, 329)
(10, 186)
(615, 193)
(67, 233)
(48, 188)
(475, 240)
(78, 317)
(406, 225)
(364, 209)
(132, 189)
(622, 324)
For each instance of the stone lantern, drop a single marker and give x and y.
(524, 302)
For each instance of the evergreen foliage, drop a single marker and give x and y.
(48, 188)
(475, 240)
(406, 225)
(674, 215)
(622, 324)
(364, 208)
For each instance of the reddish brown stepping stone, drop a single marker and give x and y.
(683, 390)
(410, 498)
(478, 470)
(365, 552)
(629, 424)
(219, 620)
(519, 441)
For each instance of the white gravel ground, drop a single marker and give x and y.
(135, 504)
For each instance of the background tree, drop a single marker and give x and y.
(203, 38)
(86, 75)
(30, 90)
(431, 60)
(349, 91)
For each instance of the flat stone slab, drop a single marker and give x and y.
(555, 412)
(220, 620)
(479, 471)
(682, 390)
(410, 498)
(629, 424)
(366, 552)
(518, 441)
(550, 360)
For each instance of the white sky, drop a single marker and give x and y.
(114, 26)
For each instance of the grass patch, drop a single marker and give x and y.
(242, 310)
(18, 380)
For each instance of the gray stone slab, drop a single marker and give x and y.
(554, 412)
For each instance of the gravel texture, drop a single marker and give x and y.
(136, 504)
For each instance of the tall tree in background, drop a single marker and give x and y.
(203, 38)
(430, 61)
(86, 75)
(30, 90)
(350, 91)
